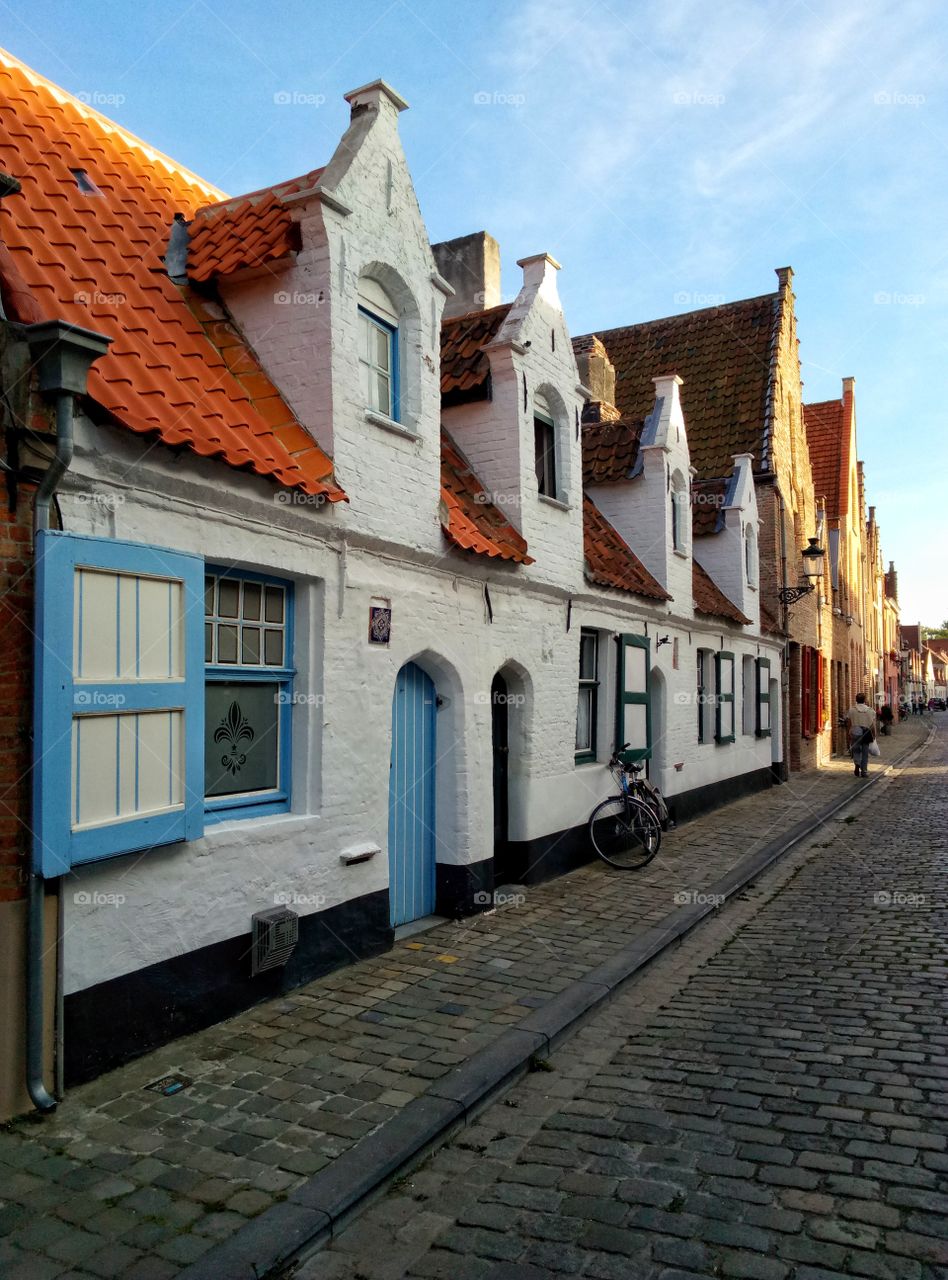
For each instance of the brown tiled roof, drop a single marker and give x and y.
(92, 257)
(711, 600)
(610, 561)
(707, 501)
(610, 450)
(768, 623)
(248, 234)
(465, 370)
(828, 441)
(468, 517)
(724, 356)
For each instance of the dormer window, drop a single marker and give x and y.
(750, 556)
(544, 446)
(378, 349)
(679, 513)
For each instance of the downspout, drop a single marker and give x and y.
(62, 354)
(36, 893)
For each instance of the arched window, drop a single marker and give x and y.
(544, 447)
(378, 349)
(750, 555)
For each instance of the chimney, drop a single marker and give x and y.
(377, 96)
(892, 583)
(539, 274)
(596, 371)
(785, 278)
(471, 265)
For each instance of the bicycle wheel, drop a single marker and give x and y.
(625, 833)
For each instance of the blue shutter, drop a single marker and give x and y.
(118, 699)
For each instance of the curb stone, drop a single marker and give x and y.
(325, 1203)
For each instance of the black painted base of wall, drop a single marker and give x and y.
(553, 855)
(115, 1021)
(464, 890)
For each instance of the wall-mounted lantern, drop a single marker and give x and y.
(812, 572)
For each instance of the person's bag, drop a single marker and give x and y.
(874, 748)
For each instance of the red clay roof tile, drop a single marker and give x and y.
(610, 561)
(828, 440)
(465, 370)
(468, 517)
(163, 373)
(610, 451)
(724, 356)
(711, 600)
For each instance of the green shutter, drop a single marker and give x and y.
(724, 667)
(631, 665)
(763, 698)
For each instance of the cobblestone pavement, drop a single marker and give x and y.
(125, 1183)
(768, 1101)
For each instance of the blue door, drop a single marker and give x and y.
(411, 797)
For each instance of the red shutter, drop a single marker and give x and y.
(805, 690)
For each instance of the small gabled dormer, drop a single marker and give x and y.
(726, 543)
(511, 399)
(650, 505)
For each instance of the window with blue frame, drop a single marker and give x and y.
(248, 654)
(378, 349)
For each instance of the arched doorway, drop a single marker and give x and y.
(657, 760)
(411, 797)
(500, 742)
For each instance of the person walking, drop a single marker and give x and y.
(860, 722)
(886, 717)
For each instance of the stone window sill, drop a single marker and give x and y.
(554, 502)
(389, 424)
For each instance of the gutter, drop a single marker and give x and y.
(62, 354)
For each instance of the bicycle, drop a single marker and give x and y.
(642, 788)
(623, 829)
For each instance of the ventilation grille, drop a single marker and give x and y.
(275, 934)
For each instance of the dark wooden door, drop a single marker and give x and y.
(500, 733)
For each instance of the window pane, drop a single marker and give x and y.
(635, 669)
(273, 611)
(250, 644)
(634, 725)
(208, 595)
(273, 648)
(241, 750)
(366, 329)
(765, 716)
(226, 643)
(587, 657)
(228, 594)
(584, 720)
(365, 383)
(208, 642)
(726, 669)
(383, 399)
(252, 594)
(727, 719)
(383, 349)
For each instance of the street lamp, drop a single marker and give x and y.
(812, 572)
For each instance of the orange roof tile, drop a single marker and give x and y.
(94, 258)
(610, 561)
(724, 356)
(711, 600)
(468, 517)
(247, 235)
(828, 440)
(465, 370)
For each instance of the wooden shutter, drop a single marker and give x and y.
(764, 710)
(119, 699)
(633, 707)
(724, 697)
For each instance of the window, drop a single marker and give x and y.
(544, 446)
(748, 696)
(724, 699)
(633, 708)
(248, 693)
(679, 513)
(750, 556)
(705, 693)
(763, 698)
(378, 349)
(588, 705)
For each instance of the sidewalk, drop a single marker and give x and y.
(122, 1182)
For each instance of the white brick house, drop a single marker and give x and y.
(396, 713)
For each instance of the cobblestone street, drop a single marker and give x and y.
(780, 1109)
(770, 1101)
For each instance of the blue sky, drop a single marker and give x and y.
(669, 154)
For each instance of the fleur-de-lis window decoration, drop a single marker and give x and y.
(234, 729)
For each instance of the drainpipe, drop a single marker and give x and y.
(62, 354)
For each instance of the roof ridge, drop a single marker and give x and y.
(480, 311)
(152, 153)
(676, 315)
